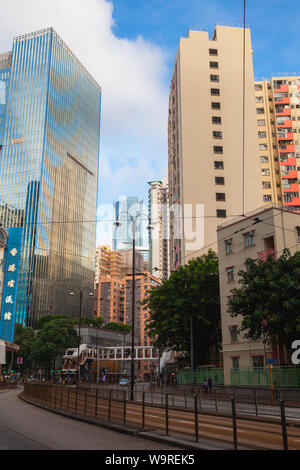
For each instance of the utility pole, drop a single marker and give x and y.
(133, 311)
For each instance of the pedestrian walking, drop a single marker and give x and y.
(205, 385)
(209, 384)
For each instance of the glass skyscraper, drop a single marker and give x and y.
(49, 156)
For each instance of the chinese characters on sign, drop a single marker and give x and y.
(11, 285)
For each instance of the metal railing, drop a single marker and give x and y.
(161, 411)
(8, 385)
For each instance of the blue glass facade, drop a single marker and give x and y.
(48, 173)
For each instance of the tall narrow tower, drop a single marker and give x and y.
(214, 166)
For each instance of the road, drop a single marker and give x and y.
(25, 427)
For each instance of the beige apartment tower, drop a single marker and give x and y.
(214, 167)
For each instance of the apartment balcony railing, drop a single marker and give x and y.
(264, 255)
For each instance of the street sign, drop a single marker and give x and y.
(271, 362)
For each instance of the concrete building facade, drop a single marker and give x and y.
(159, 236)
(214, 173)
(264, 232)
(278, 122)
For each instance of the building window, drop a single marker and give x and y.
(298, 234)
(216, 120)
(215, 78)
(268, 198)
(266, 185)
(259, 99)
(258, 362)
(228, 247)
(214, 65)
(264, 159)
(221, 197)
(215, 91)
(261, 122)
(219, 165)
(262, 135)
(260, 110)
(216, 105)
(221, 214)
(230, 274)
(249, 239)
(234, 333)
(258, 87)
(213, 51)
(263, 147)
(220, 180)
(217, 135)
(235, 363)
(218, 149)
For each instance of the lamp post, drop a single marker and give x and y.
(79, 339)
(118, 224)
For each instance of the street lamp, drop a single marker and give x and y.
(150, 227)
(79, 339)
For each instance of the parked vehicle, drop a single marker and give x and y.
(124, 382)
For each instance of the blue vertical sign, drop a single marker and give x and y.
(10, 288)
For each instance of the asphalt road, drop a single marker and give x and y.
(25, 427)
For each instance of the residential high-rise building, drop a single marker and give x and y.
(125, 208)
(159, 236)
(107, 263)
(278, 122)
(49, 149)
(214, 168)
(109, 299)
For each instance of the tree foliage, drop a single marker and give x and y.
(118, 327)
(192, 292)
(269, 299)
(52, 341)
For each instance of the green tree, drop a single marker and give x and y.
(268, 299)
(118, 327)
(48, 318)
(191, 293)
(52, 341)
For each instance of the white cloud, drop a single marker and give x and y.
(132, 74)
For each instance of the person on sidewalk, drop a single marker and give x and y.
(209, 384)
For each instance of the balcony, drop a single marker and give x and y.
(287, 148)
(282, 89)
(283, 112)
(286, 124)
(264, 255)
(287, 136)
(292, 174)
(282, 100)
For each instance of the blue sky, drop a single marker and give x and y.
(130, 46)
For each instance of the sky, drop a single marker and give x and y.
(129, 46)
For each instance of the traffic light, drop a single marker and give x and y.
(52, 371)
